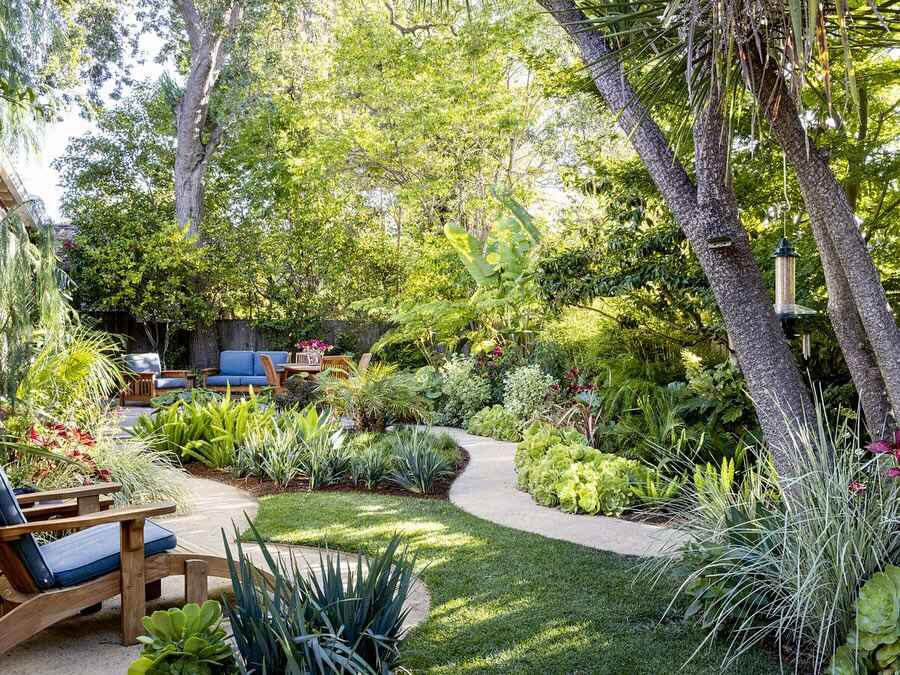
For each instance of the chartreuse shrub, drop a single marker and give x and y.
(873, 645)
(495, 422)
(558, 468)
(187, 641)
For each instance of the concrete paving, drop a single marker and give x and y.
(487, 489)
(89, 645)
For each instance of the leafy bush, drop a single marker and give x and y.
(429, 382)
(300, 444)
(784, 560)
(145, 474)
(418, 465)
(185, 396)
(495, 422)
(524, 390)
(307, 624)
(465, 392)
(559, 469)
(205, 430)
(371, 465)
(187, 641)
(375, 398)
(874, 639)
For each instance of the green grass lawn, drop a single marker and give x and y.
(505, 601)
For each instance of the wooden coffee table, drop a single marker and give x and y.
(289, 369)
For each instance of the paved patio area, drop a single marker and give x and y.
(487, 489)
(89, 645)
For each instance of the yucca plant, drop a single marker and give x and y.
(291, 623)
(418, 465)
(374, 398)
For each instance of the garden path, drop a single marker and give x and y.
(89, 645)
(487, 489)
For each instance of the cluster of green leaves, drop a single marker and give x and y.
(190, 640)
(872, 644)
(495, 421)
(328, 621)
(559, 469)
(208, 430)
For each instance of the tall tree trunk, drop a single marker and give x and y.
(710, 213)
(197, 138)
(858, 305)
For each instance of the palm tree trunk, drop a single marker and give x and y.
(861, 307)
(707, 215)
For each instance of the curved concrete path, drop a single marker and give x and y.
(487, 489)
(89, 645)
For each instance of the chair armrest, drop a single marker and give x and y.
(129, 514)
(210, 371)
(177, 373)
(63, 509)
(69, 493)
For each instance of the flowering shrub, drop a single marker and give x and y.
(524, 390)
(314, 345)
(495, 422)
(464, 391)
(71, 442)
(885, 447)
(558, 469)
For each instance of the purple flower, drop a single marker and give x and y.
(894, 471)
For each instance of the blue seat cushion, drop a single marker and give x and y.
(255, 381)
(143, 363)
(25, 547)
(222, 380)
(278, 358)
(171, 383)
(93, 552)
(236, 363)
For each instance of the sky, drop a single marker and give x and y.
(38, 176)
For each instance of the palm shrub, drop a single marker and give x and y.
(784, 559)
(465, 392)
(374, 398)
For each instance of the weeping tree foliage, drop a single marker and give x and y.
(34, 311)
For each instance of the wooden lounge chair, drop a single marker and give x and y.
(272, 375)
(338, 366)
(111, 552)
(146, 379)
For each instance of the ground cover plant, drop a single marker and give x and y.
(502, 600)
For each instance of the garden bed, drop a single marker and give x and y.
(262, 488)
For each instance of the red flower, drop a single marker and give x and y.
(856, 486)
(880, 447)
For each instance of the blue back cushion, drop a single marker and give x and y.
(143, 363)
(236, 363)
(26, 547)
(277, 359)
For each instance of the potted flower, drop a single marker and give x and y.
(314, 349)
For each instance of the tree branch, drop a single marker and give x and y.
(406, 30)
(192, 21)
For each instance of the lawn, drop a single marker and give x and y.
(505, 601)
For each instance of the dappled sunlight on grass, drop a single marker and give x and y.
(504, 601)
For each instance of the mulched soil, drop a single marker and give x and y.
(262, 488)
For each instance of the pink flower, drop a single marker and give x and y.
(856, 486)
(894, 471)
(879, 447)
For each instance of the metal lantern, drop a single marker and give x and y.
(786, 307)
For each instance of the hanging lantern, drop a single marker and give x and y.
(786, 308)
